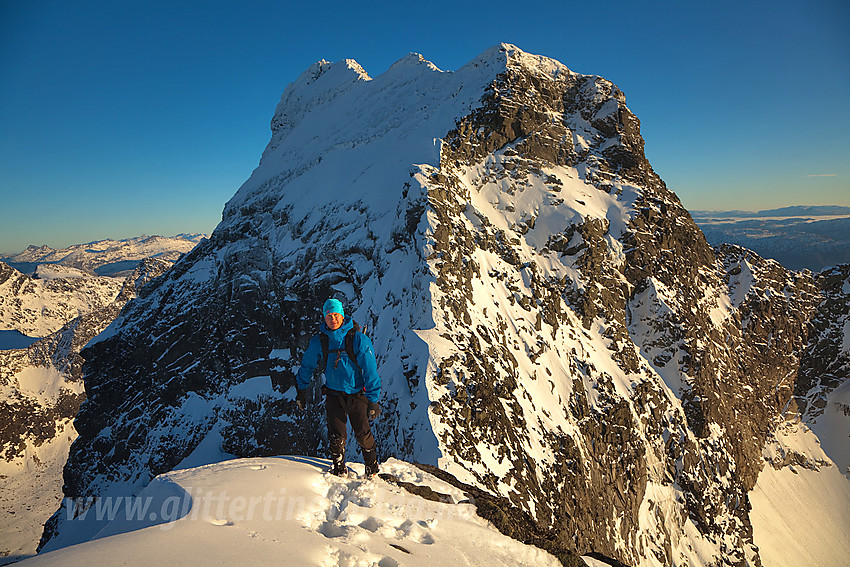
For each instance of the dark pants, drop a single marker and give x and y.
(339, 405)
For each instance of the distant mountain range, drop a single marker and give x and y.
(799, 237)
(42, 288)
(795, 211)
(115, 258)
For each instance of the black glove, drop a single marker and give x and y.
(373, 411)
(301, 399)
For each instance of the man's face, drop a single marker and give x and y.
(333, 321)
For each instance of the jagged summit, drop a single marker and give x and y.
(550, 324)
(414, 60)
(336, 116)
(507, 55)
(317, 85)
(323, 81)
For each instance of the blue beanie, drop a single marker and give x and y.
(333, 306)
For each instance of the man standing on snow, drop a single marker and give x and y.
(352, 385)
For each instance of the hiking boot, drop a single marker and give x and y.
(338, 468)
(371, 469)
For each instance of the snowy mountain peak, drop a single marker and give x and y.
(550, 325)
(414, 59)
(510, 56)
(334, 118)
(318, 85)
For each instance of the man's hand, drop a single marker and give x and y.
(301, 399)
(373, 411)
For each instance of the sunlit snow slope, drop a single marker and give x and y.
(291, 511)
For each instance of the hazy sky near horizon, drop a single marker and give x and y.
(120, 118)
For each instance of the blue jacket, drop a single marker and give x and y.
(342, 375)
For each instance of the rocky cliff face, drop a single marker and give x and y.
(551, 325)
(822, 389)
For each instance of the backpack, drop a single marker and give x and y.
(349, 347)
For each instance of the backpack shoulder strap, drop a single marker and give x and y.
(349, 347)
(323, 338)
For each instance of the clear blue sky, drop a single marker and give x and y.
(119, 118)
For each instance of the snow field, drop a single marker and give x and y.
(43, 383)
(289, 510)
(832, 428)
(801, 513)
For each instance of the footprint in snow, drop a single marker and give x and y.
(371, 524)
(415, 531)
